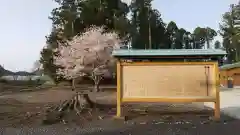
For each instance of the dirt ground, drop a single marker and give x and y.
(20, 109)
(26, 110)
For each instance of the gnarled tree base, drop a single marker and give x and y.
(80, 103)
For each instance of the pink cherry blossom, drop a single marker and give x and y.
(88, 53)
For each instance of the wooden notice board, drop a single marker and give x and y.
(168, 75)
(168, 82)
(175, 80)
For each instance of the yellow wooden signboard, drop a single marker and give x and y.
(167, 82)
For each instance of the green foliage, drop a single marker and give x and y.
(72, 17)
(203, 35)
(217, 45)
(1, 71)
(141, 12)
(7, 72)
(229, 30)
(144, 29)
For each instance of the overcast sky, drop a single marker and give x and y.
(24, 24)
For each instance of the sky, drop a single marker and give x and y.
(24, 25)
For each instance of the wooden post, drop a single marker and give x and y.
(217, 101)
(217, 108)
(119, 96)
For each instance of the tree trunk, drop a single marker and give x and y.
(96, 85)
(208, 44)
(73, 84)
(79, 103)
(96, 79)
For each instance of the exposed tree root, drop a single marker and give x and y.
(79, 102)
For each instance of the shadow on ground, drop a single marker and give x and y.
(232, 111)
(180, 124)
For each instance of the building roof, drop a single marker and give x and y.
(169, 52)
(230, 66)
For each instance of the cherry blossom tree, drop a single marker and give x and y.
(88, 54)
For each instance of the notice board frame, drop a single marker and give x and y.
(121, 100)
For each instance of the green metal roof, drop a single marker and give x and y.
(169, 52)
(230, 66)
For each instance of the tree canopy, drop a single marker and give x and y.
(229, 30)
(137, 23)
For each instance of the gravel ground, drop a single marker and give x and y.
(15, 107)
(143, 125)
